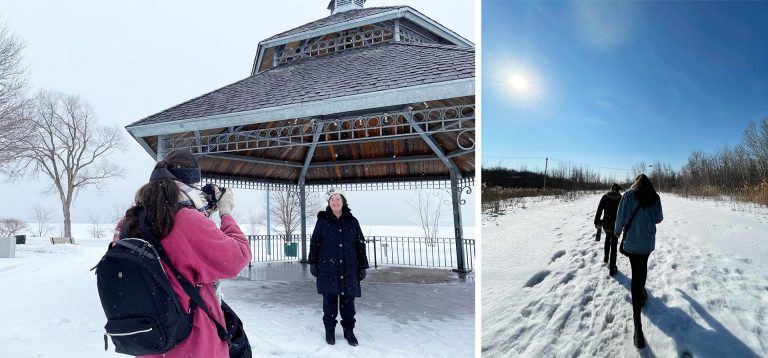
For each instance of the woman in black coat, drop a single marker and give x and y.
(337, 258)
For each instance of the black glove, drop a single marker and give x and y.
(313, 269)
(598, 223)
(361, 274)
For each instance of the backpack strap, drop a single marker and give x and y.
(188, 287)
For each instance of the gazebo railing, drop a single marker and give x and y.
(275, 248)
(417, 251)
(381, 250)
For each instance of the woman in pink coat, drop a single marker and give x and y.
(200, 251)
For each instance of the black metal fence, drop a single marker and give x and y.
(381, 250)
(275, 248)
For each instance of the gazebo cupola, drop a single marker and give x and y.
(337, 6)
(351, 26)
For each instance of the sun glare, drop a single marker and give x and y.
(518, 82)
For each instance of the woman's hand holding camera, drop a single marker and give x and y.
(226, 203)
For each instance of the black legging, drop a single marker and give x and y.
(639, 264)
(611, 242)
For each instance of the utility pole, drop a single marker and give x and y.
(546, 161)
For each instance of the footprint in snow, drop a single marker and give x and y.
(537, 278)
(568, 277)
(557, 255)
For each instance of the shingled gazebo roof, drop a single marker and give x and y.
(372, 69)
(366, 95)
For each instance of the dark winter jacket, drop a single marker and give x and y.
(610, 205)
(338, 248)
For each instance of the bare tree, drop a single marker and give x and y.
(13, 85)
(756, 143)
(118, 212)
(638, 169)
(285, 208)
(43, 218)
(430, 208)
(68, 147)
(97, 229)
(255, 222)
(11, 226)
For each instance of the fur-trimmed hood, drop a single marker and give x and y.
(328, 214)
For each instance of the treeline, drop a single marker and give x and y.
(501, 183)
(740, 172)
(565, 177)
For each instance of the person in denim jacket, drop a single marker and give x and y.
(640, 208)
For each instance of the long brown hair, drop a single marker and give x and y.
(646, 194)
(159, 198)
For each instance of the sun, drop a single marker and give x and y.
(518, 82)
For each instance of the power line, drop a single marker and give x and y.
(557, 159)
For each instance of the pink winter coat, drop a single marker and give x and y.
(203, 254)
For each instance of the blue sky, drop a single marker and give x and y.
(609, 85)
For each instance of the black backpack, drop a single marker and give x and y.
(144, 315)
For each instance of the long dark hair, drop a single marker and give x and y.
(644, 191)
(159, 198)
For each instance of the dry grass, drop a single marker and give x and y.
(497, 200)
(748, 194)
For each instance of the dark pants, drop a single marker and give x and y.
(611, 242)
(331, 308)
(639, 264)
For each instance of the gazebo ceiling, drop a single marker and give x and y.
(347, 149)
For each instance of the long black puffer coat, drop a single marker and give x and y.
(338, 248)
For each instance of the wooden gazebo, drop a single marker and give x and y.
(364, 99)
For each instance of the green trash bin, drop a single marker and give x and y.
(291, 249)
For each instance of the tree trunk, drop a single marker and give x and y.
(67, 222)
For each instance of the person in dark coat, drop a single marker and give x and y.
(639, 213)
(337, 259)
(609, 205)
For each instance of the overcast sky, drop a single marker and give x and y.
(131, 59)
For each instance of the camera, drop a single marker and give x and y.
(209, 194)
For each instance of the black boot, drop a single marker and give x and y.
(350, 337)
(330, 335)
(639, 337)
(612, 270)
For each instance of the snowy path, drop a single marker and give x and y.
(546, 291)
(49, 307)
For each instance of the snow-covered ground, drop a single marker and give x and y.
(546, 291)
(49, 307)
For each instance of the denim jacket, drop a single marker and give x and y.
(641, 238)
